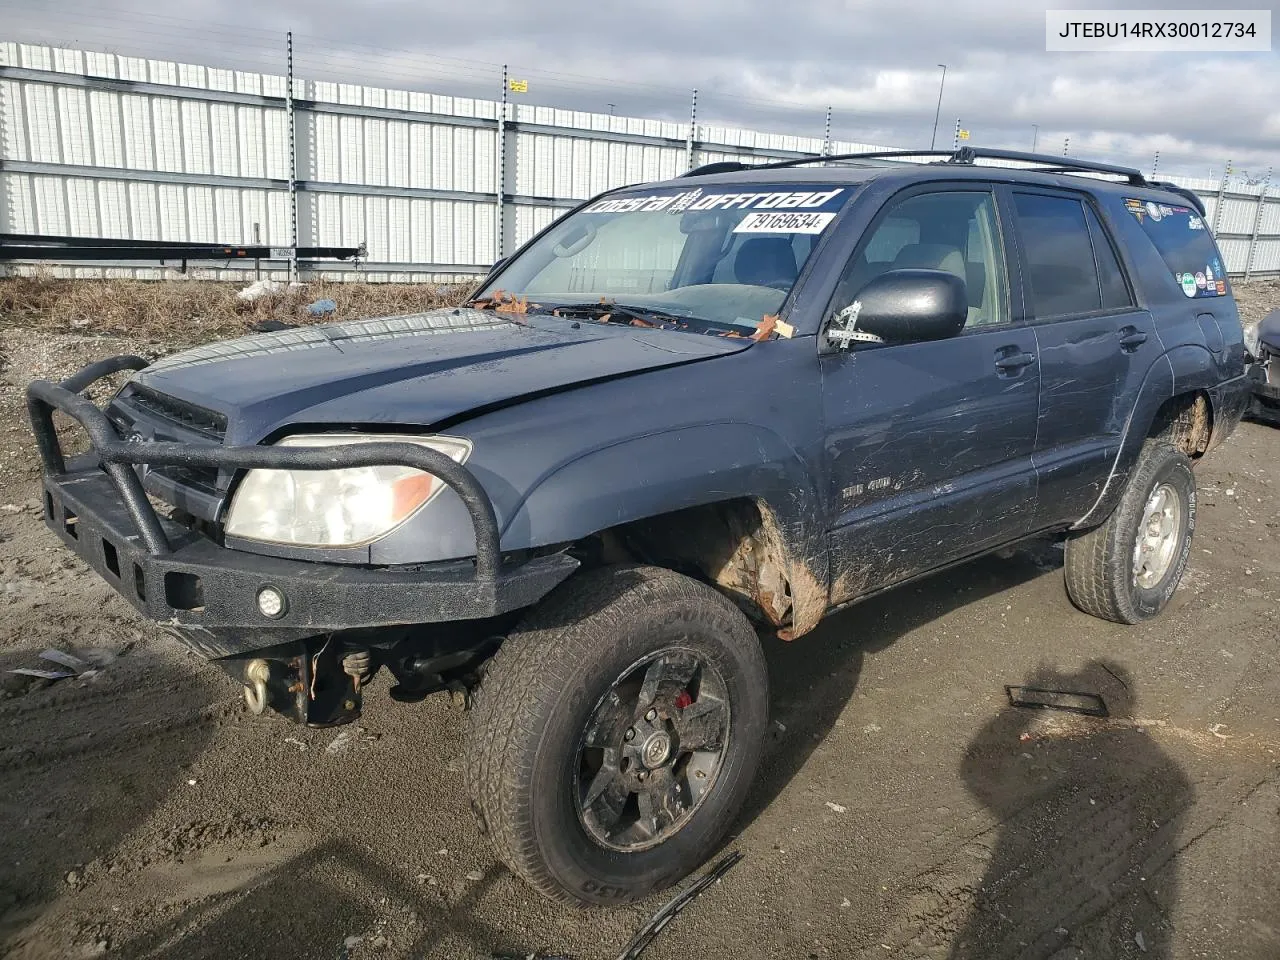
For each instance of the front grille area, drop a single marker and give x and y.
(145, 416)
(207, 422)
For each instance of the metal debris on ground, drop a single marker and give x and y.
(650, 930)
(1089, 704)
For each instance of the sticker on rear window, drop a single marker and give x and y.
(784, 223)
(1184, 240)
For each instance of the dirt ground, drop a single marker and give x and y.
(905, 810)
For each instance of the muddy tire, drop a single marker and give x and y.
(616, 734)
(1127, 569)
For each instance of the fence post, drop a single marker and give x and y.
(826, 137)
(293, 163)
(501, 243)
(1066, 145)
(1222, 196)
(1257, 225)
(955, 138)
(693, 127)
(1155, 165)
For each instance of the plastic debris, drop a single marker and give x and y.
(321, 307)
(259, 289)
(65, 660)
(72, 666)
(475, 875)
(271, 326)
(43, 674)
(835, 807)
(1141, 941)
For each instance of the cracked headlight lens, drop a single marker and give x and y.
(1251, 337)
(335, 508)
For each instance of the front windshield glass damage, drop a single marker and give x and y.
(718, 260)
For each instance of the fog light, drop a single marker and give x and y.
(271, 603)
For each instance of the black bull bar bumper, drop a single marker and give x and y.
(181, 578)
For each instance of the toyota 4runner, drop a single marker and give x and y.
(749, 394)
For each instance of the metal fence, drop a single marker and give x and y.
(436, 187)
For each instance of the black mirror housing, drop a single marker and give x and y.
(910, 305)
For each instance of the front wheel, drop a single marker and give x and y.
(1127, 569)
(616, 734)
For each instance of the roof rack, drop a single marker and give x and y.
(967, 155)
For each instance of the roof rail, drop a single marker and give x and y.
(967, 155)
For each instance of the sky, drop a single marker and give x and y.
(771, 65)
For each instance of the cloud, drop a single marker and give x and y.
(756, 63)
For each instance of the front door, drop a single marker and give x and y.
(928, 445)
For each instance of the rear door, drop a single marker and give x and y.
(928, 445)
(1095, 345)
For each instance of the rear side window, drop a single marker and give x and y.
(1115, 292)
(1061, 274)
(1180, 235)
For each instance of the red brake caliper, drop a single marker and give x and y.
(683, 700)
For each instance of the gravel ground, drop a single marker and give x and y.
(904, 811)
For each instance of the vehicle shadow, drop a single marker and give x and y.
(812, 678)
(82, 764)
(1090, 813)
(313, 901)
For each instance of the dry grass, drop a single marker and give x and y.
(191, 311)
(1256, 298)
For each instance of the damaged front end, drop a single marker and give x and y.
(320, 681)
(304, 636)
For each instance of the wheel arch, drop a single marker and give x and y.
(1175, 402)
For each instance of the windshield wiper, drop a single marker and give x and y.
(640, 316)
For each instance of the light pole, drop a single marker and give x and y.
(1035, 137)
(937, 113)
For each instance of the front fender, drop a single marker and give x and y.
(659, 473)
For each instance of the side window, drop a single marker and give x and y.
(1061, 273)
(953, 231)
(1115, 292)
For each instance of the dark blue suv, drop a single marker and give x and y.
(748, 394)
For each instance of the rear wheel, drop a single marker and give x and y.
(1127, 569)
(616, 734)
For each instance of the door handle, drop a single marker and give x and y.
(1131, 338)
(1013, 362)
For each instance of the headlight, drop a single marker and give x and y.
(335, 508)
(1251, 337)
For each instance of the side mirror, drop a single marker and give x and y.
(904, 306)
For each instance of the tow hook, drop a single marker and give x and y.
(314, 682)
(257, 674)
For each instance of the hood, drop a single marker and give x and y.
(1269, 331)
(411, 370)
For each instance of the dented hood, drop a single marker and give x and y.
(411, 370)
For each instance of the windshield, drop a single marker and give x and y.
(724, 255)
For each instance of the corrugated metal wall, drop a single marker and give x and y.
(104, 145)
